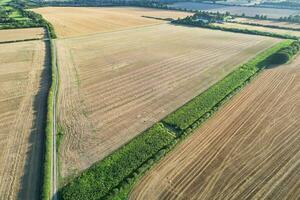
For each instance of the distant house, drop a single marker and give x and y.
(205, 21)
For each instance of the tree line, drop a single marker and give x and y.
(190, 21)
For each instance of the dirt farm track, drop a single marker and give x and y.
(24, 81)
(249, 150)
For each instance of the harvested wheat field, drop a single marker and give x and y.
(115, 85)
(268, 22)
(249, 150)
(259, 28)
(72, 21)
(21, 34)
(24, 77)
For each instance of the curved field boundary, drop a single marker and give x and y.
(101, 181)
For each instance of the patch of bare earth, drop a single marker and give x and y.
(74, 21)
(24, 81)
(115, 85)
(249, 150)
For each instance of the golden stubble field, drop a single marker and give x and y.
(115, 85)
(23, 94)
(21, 34)
(249, 150)
(268, 22)
(259, 28)
(73, 21)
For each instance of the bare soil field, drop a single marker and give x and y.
(259, 28)
(249, 150)
(115, 85)
(24, 80)
(268, 22)
(21, 34)
(70, 21)
(237, 10)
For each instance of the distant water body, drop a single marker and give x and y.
(237, 10)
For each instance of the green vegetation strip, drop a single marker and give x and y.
(285, 54)
(46, 188)
(113, 177)
(96, 182)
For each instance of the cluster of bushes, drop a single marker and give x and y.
(100, 179)
(187, 115)
(291, 18)
(31, 19)
(209, 16)
(285, 54)
(38, 20)
(189, 21)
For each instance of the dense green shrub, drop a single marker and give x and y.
(103, 177)
(201, 105)
(285, 54)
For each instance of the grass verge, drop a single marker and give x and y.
(46, 189)
(113, 177)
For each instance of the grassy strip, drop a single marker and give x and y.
(101, 178)
(188, 114)
(46, 189)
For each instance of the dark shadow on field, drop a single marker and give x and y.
(32, 180)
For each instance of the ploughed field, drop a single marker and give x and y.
(249, 150)
(236, 10)
(259, 28)
(21, 34)
(268, 22)
(115, 85)
(24, 81)
(69, 21)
